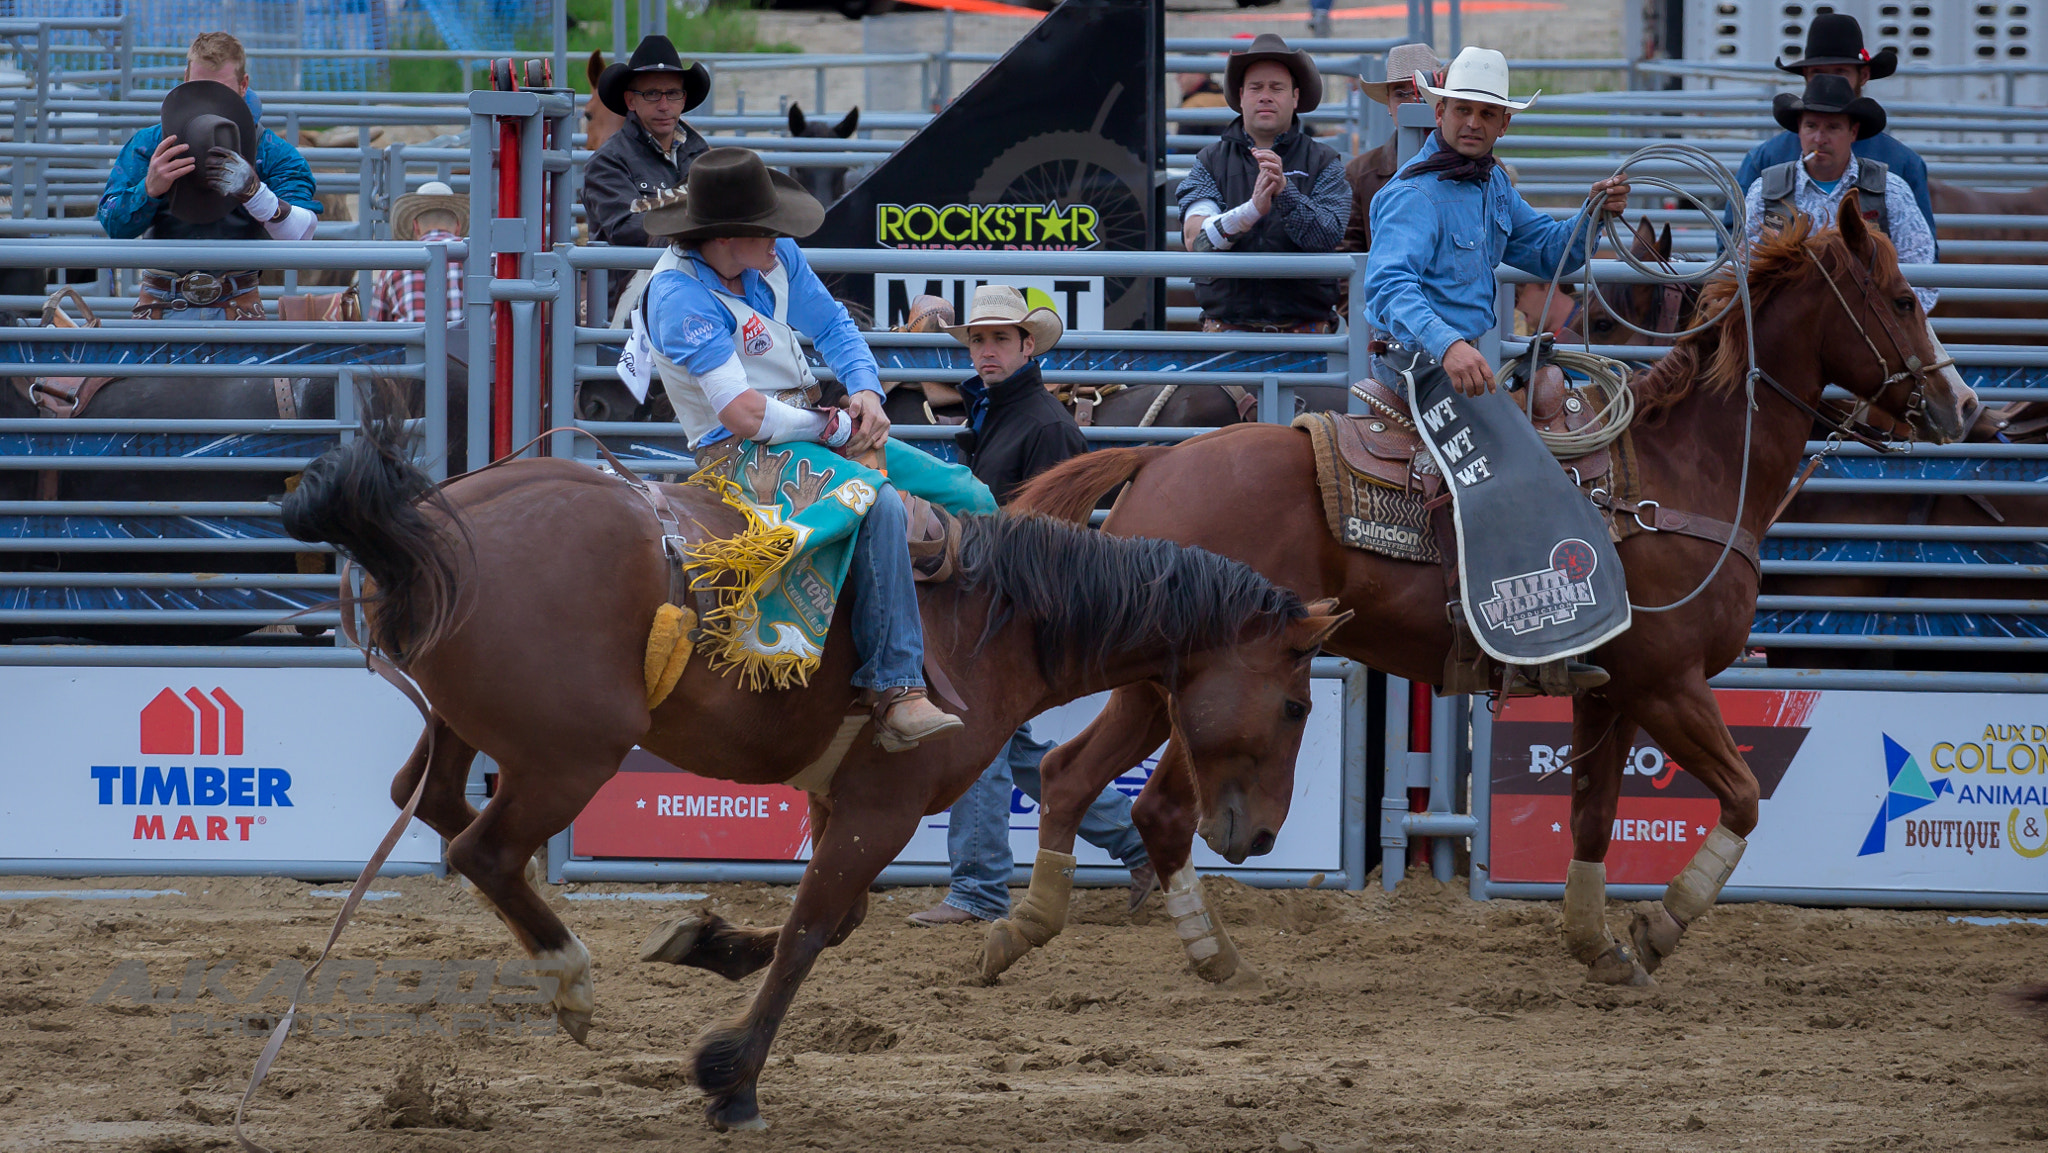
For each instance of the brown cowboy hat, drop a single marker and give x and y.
(1829, 93)
(1270, 47)
(1416, 62)
(205, 114)
(655, 54)
(732, 193)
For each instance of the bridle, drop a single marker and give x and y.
(1851, 424)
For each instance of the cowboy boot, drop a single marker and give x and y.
(905, 716)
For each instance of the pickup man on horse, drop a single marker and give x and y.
(209, 171)
(1438, 229)
(723, 311)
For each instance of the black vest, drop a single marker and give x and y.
(236, 225)
(1237, 299)
(1781, 185)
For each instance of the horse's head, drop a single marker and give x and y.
(1239, 712)
(599, 122)
(826, 182)
(1652, 307)
(1878, 343)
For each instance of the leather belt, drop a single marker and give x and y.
(1291, 326)
(196, 289)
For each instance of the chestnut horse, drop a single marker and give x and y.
(1250, 492)
(519, 599)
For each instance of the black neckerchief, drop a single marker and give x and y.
(1449, 164)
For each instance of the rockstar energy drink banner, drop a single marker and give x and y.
(1871, 793)
(1052, 149)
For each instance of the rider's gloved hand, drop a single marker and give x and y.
(229, 174)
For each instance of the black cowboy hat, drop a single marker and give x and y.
(655, 54)
(1828, 93)
(730, 192)
(1270, 47)
(1833, 38)
(204, 114)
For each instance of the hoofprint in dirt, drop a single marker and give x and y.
(1420, 1021)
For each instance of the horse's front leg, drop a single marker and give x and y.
(1071, 777)
(1688, 725)
(1166, 814)
(850, 853)
(1600, 740)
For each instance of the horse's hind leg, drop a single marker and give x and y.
(851, 852)
(495, 849)
(1688, 725)
(444, 806)
(1600, 740)
(707, 941)
(1166, 814)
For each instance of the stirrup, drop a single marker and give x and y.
(1560, 678)
(892, 737)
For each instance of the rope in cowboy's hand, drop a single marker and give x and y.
(1611, 376)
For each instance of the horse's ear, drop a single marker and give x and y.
(1849, 219)
(1646, 238)
(849, 125)
(1664, 244)
(796, 119)
(1308, 634)
(595, 68)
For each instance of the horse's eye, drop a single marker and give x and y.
(1903, 303)
(1296, 711)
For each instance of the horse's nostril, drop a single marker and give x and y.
(1263, 843)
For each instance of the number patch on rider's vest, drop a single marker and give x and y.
(754, 338)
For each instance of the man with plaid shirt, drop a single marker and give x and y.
(433, 213)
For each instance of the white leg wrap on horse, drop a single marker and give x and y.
(1697, 886)
(1038, 918)
(570, 966)
(1208, 945)
(1585, 911)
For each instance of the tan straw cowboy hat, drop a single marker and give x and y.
(999, 304)
(732, 193)
(1404, 62)
(432, 196)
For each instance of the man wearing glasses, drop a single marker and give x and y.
(652, 154)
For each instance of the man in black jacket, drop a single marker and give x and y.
(1016, 429)
(652, 153)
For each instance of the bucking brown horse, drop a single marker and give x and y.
(1250, 492)
(519, 598)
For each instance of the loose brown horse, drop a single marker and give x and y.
(519, 598)
(1250, 492)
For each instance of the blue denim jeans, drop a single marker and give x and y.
(978, 828)
(887, 632)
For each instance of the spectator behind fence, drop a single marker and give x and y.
(652, 154)
(1828, 120)
(1266, 187)
(1016, 430)
(434, 213)
(1834, 47)
(208, 172)
(1369, 172)
(1200, 90)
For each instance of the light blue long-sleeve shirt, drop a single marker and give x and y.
(126, 210)
(689, 324)
(1435, 243)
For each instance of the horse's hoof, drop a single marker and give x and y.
(737, 1112)
(1618, 966)
(576, 1023)
(1654, 932)
(1004, 947)
(673, 941)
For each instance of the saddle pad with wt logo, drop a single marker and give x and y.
(1539, 578)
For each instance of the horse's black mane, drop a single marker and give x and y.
(1092, 596)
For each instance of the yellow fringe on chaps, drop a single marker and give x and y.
(1038, 918)
(668, 651)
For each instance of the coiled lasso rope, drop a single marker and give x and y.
(1733, 254)
(1613, 418)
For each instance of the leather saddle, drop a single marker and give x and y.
(1384, 445)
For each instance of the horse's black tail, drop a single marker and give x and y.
(366, 498)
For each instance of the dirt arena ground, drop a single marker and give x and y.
(1422, 1021)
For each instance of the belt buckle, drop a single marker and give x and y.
(201, 288)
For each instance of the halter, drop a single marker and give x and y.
(1851, 424)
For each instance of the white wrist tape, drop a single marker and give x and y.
(297, 225)
(262, 204)
(1217, 240)
(724, 384)
(781, 423)
(1239, 219)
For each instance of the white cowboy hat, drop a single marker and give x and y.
(1406, 61)
(999, 304)
(431, 196)
(1479, 74)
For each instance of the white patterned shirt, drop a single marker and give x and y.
(1909, 231)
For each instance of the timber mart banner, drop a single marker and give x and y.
(654, 811)
(1884, 792)
(197, 766)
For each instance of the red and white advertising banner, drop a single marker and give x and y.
(195, 765)
(654, 811)
(1879, 791)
